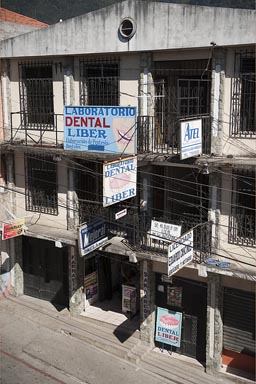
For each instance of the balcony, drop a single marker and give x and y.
(152, 137)
(159, 137)
(41, 130)
(135, 228)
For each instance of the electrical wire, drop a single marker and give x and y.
(146, 232)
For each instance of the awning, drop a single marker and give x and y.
(120, 246)
(52, 234)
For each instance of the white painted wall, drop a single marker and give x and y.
(160, 26)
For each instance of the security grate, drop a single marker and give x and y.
(242, 123)
(41, 184)
(99, 82)
(242, 221)
(36, 95)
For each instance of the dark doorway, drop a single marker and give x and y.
(193, 305)
(45, 270)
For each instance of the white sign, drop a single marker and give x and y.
(119, 180)
(180, 252)
(120, 214)
(164, 231)
(191, 138)
(92, 236)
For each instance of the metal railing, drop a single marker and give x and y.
(154, 137)
(135, 227)
(37, 133)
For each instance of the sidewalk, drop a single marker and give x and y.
(116, 341)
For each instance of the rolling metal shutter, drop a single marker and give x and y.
(239, 321)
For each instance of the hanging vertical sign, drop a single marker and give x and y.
(168, 327)
(180, 252)
(190, 138)
(119, 180)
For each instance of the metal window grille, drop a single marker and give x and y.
(180, 91)
(243, 118)
(99, 82)
(36, 95)
(41, 184)
(242, 223)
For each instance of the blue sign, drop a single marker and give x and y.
(191, 138)
(100, 129)
(92, 236)
(168, 327)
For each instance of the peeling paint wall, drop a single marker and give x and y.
(160, 26)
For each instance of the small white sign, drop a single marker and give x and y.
(180, 253)
(191, 138)
(120, 214)
(164, 231)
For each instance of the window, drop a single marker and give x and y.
(243, 122)
(127, 28)
(99, 83)
(41, 184)
(242, 229)
(36, 95)
(181, 92)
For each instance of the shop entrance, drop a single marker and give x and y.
(190, 298)
(111, 284)
(45, 269)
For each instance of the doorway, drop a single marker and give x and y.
(45, 269)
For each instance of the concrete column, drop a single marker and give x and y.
(76, 297)
(214, 329)
(214, 209)
(73, 205)
(217, 99)
(68, 85)
(147, 302)
(5, 102)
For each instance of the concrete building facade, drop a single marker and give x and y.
(178, 65)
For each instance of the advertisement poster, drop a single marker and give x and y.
(168, 327)
(191, 138)
(100, 129)
(119, 180)
(174, 296)
(91, 285)
(92, 236)
(128, 299)
(180, 253)
(13, 229)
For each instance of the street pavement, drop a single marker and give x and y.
(43, 345)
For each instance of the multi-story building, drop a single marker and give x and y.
(190, 72)
(12, 24)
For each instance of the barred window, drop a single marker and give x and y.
(243, 122)
(41, 184)
(99, 82)
(242, 223)
(36, 95)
